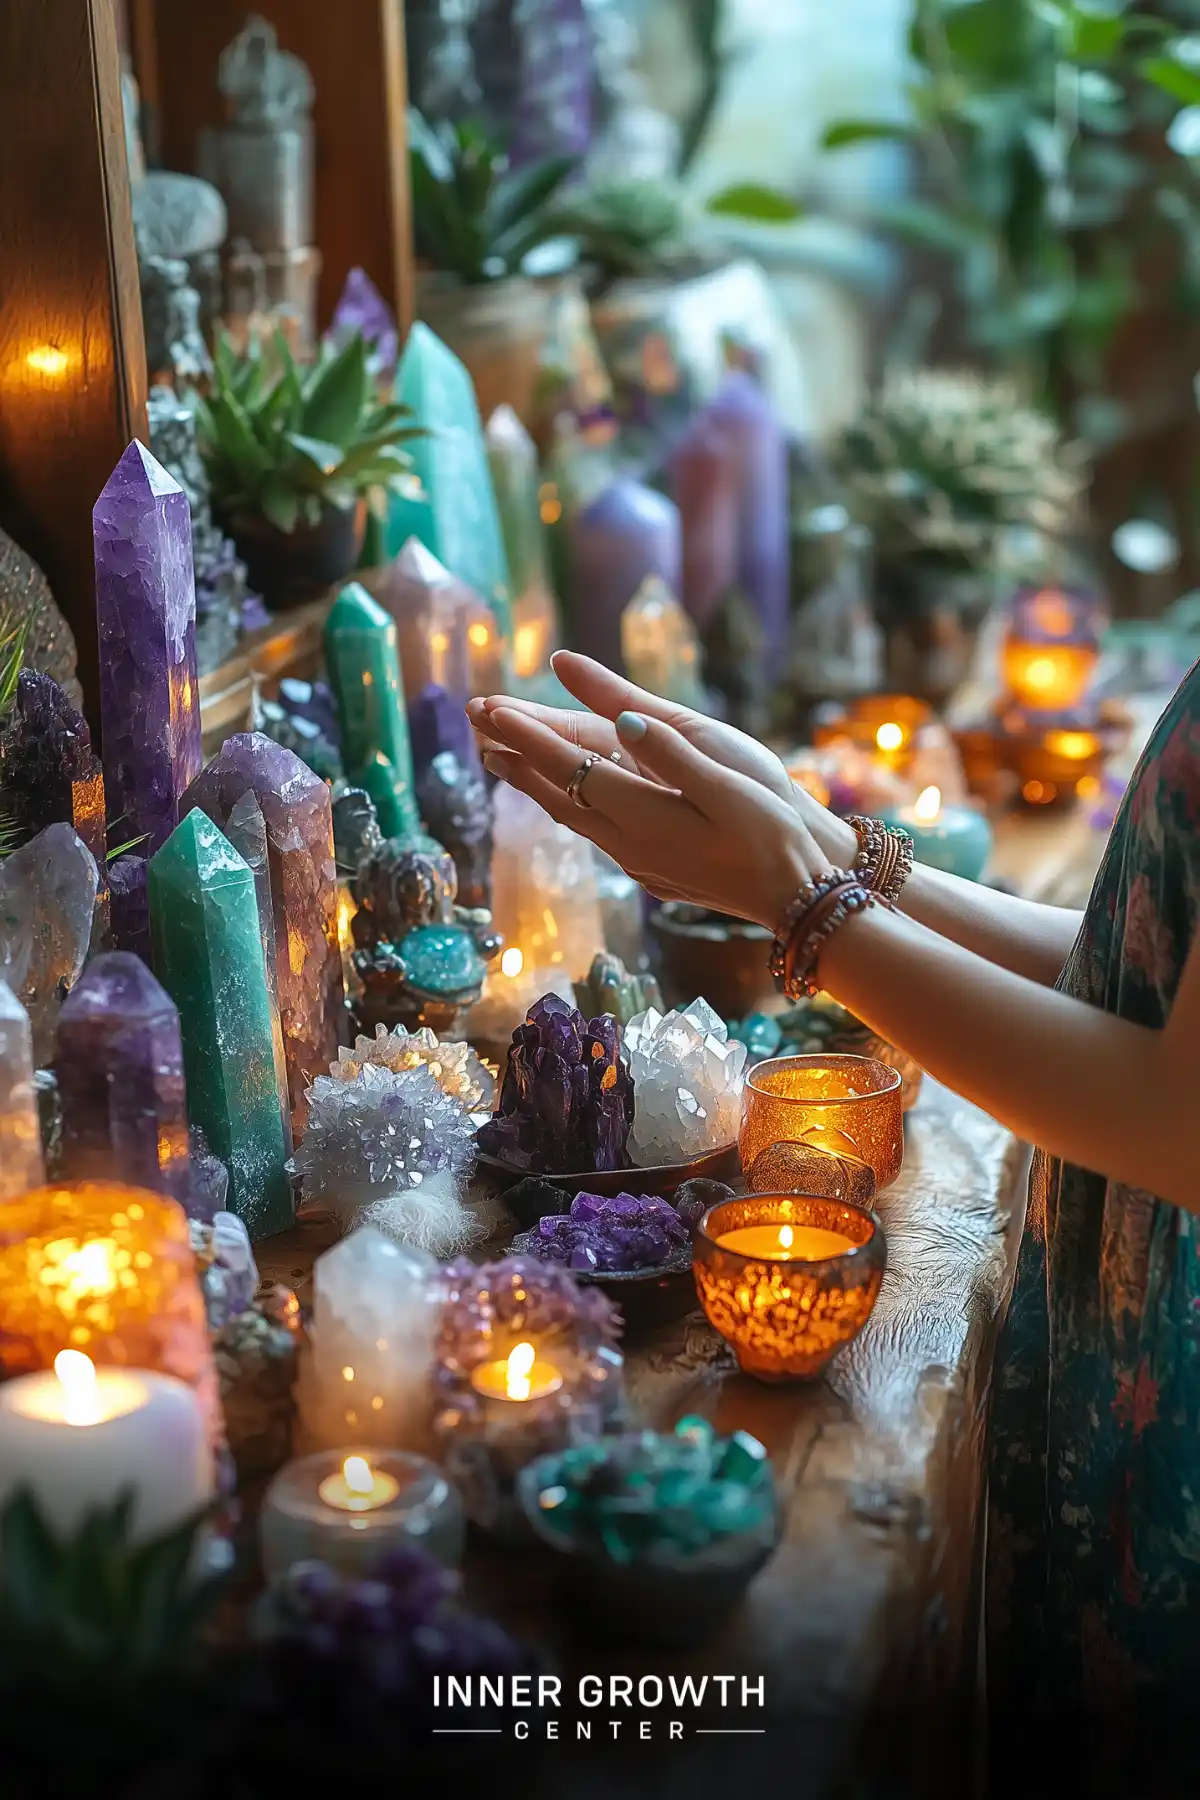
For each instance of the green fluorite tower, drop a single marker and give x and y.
(455, 515)
(363, 662)
(208, 955)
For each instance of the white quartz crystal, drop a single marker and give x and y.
(21, 1165)
(364, 1376)
(687, 1084)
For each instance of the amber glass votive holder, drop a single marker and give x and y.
(848, 1106)
(785, 1315)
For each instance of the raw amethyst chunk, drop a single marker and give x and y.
(620, 1235)
(566, 1105)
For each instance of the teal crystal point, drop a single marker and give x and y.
(363, 661)
(208, 954)
(455, 515)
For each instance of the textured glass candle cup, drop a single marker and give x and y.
(847, 1106)
(107, 1269)
(884, 724)
(1048, 677)
(784, 1318)
(296, 1524)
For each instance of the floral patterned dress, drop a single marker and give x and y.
(1093, 1595)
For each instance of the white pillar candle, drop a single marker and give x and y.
(79, 1437)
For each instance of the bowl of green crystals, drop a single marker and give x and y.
(656, 1534)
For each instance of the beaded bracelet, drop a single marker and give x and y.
(885, 857)
(813, 916)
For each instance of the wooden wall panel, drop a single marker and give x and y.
(72, 360)
(356, 55)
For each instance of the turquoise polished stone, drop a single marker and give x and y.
(441, 960)
(743, 1459)
(760, 1033)
(455, 516)
(363, 662)
(208, 954)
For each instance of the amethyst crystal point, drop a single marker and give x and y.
(295, 807)
(438, 723)
(567, 1101)
(49, 772)
(363, 308)
(210, 1180)
(619, 1235)
(119, 1064)
(146, 608)
(130, 905)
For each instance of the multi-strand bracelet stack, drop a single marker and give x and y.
(885, 857)
(882, 866)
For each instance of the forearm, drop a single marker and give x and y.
(1085, 1086)
(1015, 934)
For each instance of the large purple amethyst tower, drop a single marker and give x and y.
(146, 607)
(566, 1106)
(119, 1063)
(296, 810)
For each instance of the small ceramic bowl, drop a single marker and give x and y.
(668, 1601)
(647, 1297)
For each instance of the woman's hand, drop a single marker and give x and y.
(604, 696)
(683, 825)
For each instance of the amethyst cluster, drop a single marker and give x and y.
(615, 1236)
(388, 1635)
(567, 1101)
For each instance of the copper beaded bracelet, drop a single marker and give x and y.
(885, 857)
(813, 916)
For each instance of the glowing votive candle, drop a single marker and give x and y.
(787, 1243)
(787, 1279)
(845, 1109)
(348, 1508)
(79, 1437)
(520, 1376)
(956, 839)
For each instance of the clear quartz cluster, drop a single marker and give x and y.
(455, 1067)
(687, 1084)
(391, 1150)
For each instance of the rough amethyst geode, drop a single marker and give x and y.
(619, 1235)
(567, 1101)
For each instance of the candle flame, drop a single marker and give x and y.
(520, 1364)
(357, 1474)
(890, 736)
(1075, 745)
(927, 805)
(77, 1375)
(47, 359)
(479, 635)
(786, 1236)
(512, 962)
(1041, 673)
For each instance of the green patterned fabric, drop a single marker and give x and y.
(1093, 1590)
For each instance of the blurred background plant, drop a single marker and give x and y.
(1056, 145)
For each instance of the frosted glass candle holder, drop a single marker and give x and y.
(847, 1106)
(348, 1508)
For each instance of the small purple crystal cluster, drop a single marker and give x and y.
(384, 1637)
(616, 1236)
(567, 1101)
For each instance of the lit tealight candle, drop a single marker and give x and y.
(786, 1243)
(80, 1436)
(954, 838)
(521, 1375)
(357, 1487)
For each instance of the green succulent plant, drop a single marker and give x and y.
(949, 468)
(287, 441)
(633, 226)
(473, 217)
(93, 1610)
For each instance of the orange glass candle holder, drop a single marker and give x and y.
(107, 1269)
(788, 1279)
(884, 724)
(1051, 650)
(847, 1106)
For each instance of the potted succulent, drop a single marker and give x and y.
(476, 224)
(962, 487)
(294, 455)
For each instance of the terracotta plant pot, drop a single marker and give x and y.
(497, 329)
(723, 961)
(289, 568)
